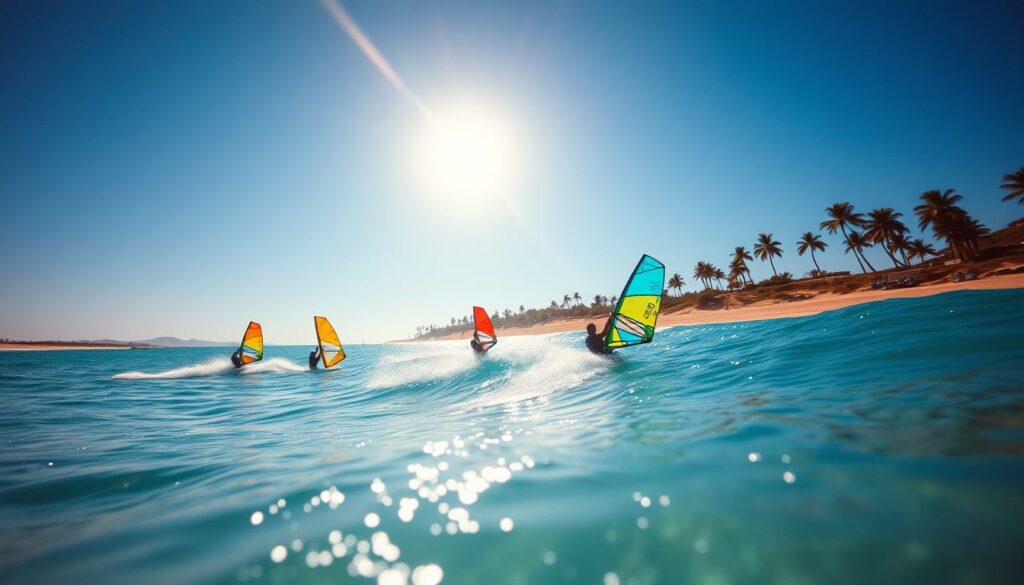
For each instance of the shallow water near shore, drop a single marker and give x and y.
(882, 443)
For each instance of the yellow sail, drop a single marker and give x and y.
(252, 343)
(331, 351)
(636, 314)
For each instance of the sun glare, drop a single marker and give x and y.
(468, 156)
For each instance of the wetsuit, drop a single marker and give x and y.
(595, 342)
(314, 356)
(236, 358)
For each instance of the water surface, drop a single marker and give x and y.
(876, 444)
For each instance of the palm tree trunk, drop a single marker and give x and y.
(815, 260)
(885, 246)
(772, 265)
(870, 267)
(857, 256)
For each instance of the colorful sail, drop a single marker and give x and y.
(331, 351)
(483, 329)
(252, 343)
(636, 313)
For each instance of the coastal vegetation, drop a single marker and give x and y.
(940, 214)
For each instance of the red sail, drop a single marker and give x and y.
(484, 327)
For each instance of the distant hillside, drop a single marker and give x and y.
(169, 342)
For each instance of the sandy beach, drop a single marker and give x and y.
(769, 309)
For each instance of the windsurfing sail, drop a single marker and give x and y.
(331, 351)
(483, 329)
(636, 313)
(252, 344)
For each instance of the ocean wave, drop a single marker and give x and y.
(215, 367)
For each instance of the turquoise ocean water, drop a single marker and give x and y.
(876, 444)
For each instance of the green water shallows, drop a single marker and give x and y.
(876, 444)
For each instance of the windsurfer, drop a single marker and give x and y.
(314, 356)
(475, 344)
(595, 340)
(236, 358)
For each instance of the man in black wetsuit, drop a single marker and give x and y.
(595, 340)
(475, 344)
(236, 358)
(314, 356)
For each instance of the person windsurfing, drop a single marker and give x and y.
(595, 340)
(475, 344)
(635, 315)
(251, 348)
(314, 357)
(484, 337)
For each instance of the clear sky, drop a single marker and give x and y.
(178, 168)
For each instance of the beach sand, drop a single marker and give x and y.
(767, 309)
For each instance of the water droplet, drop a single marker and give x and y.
(427, 575)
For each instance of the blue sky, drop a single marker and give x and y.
(178, 168)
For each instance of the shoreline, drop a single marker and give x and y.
(760, 310)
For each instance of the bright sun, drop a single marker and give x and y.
(468, 155)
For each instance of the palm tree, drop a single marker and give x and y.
(566, 300)
(1015, 185)
(900, 243)
(676, 282)
(967, 232)
(766, 248)
(704, 272)
(739, 264)
(597, 301)
(918, 248)
(882, 225)
(811, 242)
(948, 220)
(507, 313)
(554, 305)
(576, 297)
(719, 276)
(522, 309)
(842, 216)
(938, 206)
(613, 300)
(734, 279)
(856, 242)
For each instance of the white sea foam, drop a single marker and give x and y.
(424, 362)
(214, 367)
(552, 367)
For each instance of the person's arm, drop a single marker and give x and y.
(607, 326)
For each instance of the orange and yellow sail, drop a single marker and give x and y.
(331, 351)
(252, 344)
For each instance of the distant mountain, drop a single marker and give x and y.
(170, 342)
